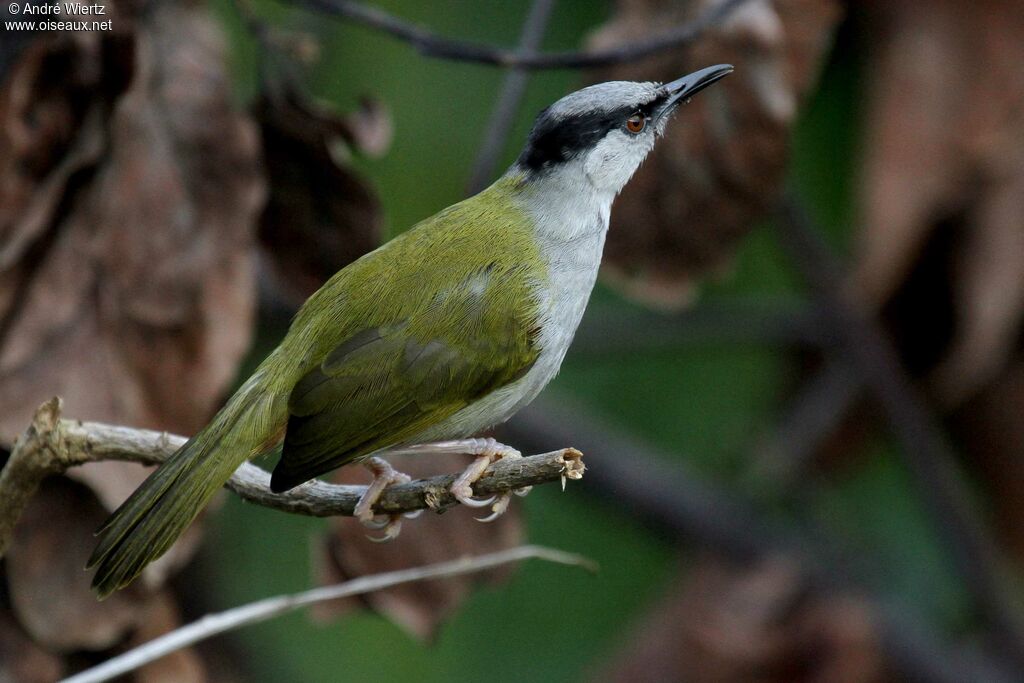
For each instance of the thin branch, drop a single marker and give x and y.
(34, 457)
(926, 451)
(430, 44)
(507, 105)
(52, 445)
(269, 608)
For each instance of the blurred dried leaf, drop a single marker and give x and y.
(722, 163)
(129, 189)
(320, 215)
(50, 105)
(941, 248)
(991, 431)
(369, 128)
(759, 624)
(944, 174)
(45, 571)
(419, 608)
(21, 660)
(130, 238)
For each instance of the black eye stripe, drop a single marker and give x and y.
(554, 141)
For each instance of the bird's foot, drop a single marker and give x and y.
(384, 475)
(486, 451)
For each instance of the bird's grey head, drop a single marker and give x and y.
(605, 131)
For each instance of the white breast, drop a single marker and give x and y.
(572, 243)
(571, 220)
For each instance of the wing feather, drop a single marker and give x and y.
(383, 385)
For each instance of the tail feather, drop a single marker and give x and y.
(158, 512)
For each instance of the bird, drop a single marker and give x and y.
(437, 335)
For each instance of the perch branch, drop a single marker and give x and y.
(430, 44)
(268, 608)
(51, 445)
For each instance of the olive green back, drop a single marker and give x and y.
(411, 333)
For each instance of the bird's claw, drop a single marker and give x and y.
(464, 494)
(391, 524)
(377, 523)
(384, 475)
(499, 508)
(392, 527)
(487, 452)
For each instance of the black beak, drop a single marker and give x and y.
(686, 87)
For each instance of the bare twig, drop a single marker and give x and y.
(51, 445)
(507, 105)
(268, 608)
(926, 451)
(34, 457)
(430, 44)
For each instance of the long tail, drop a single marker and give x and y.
(160, 510)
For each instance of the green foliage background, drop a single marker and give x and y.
(705, 404)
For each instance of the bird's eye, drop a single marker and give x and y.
(636, 123)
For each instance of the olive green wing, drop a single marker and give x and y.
(384, 385)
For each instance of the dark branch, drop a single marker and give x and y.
(507, 105)
(925, 450)
(430, 44)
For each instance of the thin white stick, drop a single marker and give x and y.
(268, 608)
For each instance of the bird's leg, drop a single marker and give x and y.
(486, 451)
(384, 475)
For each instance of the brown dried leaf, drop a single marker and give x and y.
(50, 106)
(45, 572)
(992, 434)
(129, 188)
(419, 608)
(128, 283)
(727, 624)
(320, 215)
(722, 163)
(944, 174)
(369, 128)
(21, 660)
